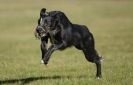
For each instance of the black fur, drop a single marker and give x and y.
(65, 34)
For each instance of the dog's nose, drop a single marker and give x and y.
(38, 29)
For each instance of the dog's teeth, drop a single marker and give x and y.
(42, 62)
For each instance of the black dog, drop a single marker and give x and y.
(65, 34)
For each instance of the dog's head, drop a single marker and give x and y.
(47, 22)
(41, 30)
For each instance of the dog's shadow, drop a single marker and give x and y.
(31, 79)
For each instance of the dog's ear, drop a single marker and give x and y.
(42, 12)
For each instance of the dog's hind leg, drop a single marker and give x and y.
(93, 57)
(91, 54)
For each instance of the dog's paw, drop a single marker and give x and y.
(42, 62)
(98, 78)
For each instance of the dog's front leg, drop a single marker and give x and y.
(43, 50)
(48, 54)
(43, 46)
(52, 48)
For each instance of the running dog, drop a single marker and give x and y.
(63, 34)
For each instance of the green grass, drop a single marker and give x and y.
(111, 22)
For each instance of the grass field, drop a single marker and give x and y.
(111, 22)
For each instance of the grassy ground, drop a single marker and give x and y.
(111, 22)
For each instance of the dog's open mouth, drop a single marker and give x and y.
(40, 34)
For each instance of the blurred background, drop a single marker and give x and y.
(110, 21)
